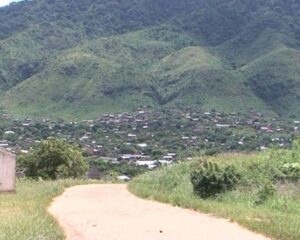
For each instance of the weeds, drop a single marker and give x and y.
(23, 215)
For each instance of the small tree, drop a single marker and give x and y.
(52, 159)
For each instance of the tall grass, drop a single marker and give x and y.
(23, 215)
(277, 217)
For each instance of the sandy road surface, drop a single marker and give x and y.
(110, 212)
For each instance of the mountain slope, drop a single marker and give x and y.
(77, 59)
(101, 75)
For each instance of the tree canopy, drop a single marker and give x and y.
(53, 159)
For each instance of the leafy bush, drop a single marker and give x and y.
(267, 191)
(284, 165)
(209, 179)
(291, 171)
(275, 165)
(52, 159)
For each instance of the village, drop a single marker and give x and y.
(148, 138)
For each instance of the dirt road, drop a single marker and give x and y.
(110, 212)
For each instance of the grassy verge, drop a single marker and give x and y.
(23, 215)
(277, 217)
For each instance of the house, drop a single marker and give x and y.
(149, 164)
(171, 154)
(123, 178)
(131, 135)
(9, 132)
(131, 156)
(142, 145)
(223, 126)
(165, 162)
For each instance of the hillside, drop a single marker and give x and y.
(78, 59)
(266, 198)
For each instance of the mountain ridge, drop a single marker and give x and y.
(76, 59)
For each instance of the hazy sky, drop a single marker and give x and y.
(6, 2)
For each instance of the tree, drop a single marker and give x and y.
(52, 159)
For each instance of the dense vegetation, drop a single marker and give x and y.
(78, 58)
(265, 198)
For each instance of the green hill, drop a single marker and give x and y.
(78, 59)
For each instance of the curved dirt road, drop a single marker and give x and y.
(110, 212)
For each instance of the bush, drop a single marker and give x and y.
(291, 171)
(267, 191)
(209, 179)
(211, 152)
(52, 159)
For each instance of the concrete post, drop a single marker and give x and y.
(7, 171)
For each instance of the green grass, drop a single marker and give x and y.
(277, 218)
(23, 215)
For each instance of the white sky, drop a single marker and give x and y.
(6, 2)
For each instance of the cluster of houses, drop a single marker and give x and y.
(151, 138)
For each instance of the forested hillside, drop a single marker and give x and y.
(81, 58)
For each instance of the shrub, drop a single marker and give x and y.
(211, 152)
(209, 179)
(291, 171)
(52, 159)
(267, 190)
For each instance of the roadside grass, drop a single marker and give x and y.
(277, 217)
(23, 215)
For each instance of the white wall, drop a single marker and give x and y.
(7, 171)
